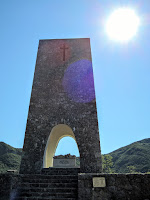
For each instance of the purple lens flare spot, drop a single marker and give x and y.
(78, 81)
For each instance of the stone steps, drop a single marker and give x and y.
(51, 184)
(43, 198)
(60, 171)
(41, 176)
(72, 184)
(48, 195)
(51, 180)
(47, 190)
(39, 181)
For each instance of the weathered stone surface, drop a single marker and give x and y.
(118, 187)
(58, 162)
(24, 187)
(68, 156)
(51, 105)
(8, 186)
(5, 186)
(60, 171)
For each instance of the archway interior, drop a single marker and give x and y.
(67, 145)
(57, 133)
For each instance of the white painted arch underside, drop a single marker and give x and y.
(57, 133)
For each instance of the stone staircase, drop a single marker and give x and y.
(51, 184)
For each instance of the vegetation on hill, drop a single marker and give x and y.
(135, 156)
(10, 157)
(107, 163)
(129, 159)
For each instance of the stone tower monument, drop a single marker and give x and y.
(62, 104)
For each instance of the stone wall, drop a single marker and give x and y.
(8, 186)
(118, 187)
(5, 186)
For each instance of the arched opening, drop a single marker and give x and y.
(57, 133)
(67, 145)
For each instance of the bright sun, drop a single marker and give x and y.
(122, 24)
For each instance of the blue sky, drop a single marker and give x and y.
(121, 71)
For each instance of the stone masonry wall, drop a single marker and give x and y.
(118, 187)
(5, 186)
(59, 96)
(8, 186)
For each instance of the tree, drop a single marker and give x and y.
(131, 169)
(107, 163)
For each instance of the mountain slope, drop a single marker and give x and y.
(10, 157)
(136, 154)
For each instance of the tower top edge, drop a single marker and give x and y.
(64, 39)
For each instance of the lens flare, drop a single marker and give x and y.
(78, 81)
(122, 25)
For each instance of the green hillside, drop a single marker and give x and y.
(136, 154)
(10, 157)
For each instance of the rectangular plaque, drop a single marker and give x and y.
(99, 182)
(64, 162)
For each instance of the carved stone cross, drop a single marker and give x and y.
(64, 53)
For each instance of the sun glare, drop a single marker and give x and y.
(122, 24)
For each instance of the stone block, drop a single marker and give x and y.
(64, 163)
